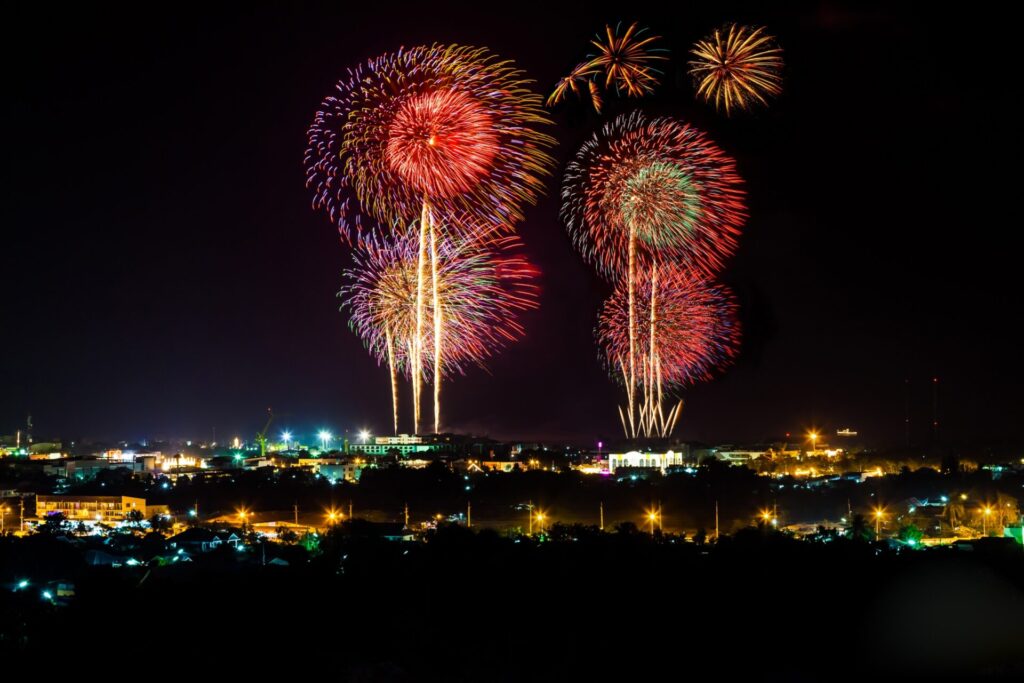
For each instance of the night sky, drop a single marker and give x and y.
(164, 275)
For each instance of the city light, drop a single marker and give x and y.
(879, 514)
(286, 436)
(364, 436)
(325, 439)
(333, 515)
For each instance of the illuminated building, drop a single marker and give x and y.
(106, 509)
(403, 444)
(349, 472)
(637, 459)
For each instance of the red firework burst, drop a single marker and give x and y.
(696, 331)
(664, 180)
(451, 126)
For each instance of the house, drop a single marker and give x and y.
(199, 540)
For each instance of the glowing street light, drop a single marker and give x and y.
(364, 436)
(652, 517)
(540, 520)
(243, 514)
(286, 436)
(333, 515)
(879, 514)
(813, 436)
(325, 438)
(986, 512)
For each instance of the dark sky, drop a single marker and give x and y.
(163, 273)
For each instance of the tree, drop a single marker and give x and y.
(134, 518)
(910, 534)
(159, 523)
(287, 536)
(55, 523)
(859, 529)
(700, 537)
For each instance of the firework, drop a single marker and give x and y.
(643, 192)
(451, 125)
(691, 332)
(695, 329)
(659, 183)
(429, 133)
(737, 66)
(482, 286)
(626, 61)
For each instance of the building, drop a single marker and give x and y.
(199, 540)
(403, 444)
(349, 472)
(637, 459)
(83, 469)
(106, 509)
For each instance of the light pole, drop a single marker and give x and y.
(652, 517)
(325, 438)
(814, 441)
(879, 512)
(984, 520)
(3, 518)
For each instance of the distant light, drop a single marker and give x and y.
(286, 437)
(364, 436)
(23, 583)
(47, 595)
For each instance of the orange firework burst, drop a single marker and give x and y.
(737, 66)
(626, 61)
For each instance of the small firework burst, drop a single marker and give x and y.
(737, 66)
(626, 60)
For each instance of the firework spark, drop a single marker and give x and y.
(696, 331)
(482, 286)
(626, 60)
(737, 66)
(663, 181)
(692, 332)
(452, 123)
(431, 133)
(643, 192)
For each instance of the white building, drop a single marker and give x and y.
(659, 461)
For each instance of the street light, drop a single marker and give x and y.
(813, 436)
(652, 517)
(540, 521)
(364, 436)
(286, 436)
(879, 513)
(984, 520)
(3, 517)
(325, 438)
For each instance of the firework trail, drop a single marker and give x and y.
(643, 191)
(429, 134)
(482, 287)
(625, 60)
(693, 332)
(737, 66)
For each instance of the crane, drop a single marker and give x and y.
(261, 436)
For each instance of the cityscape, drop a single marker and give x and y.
(605, 342)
